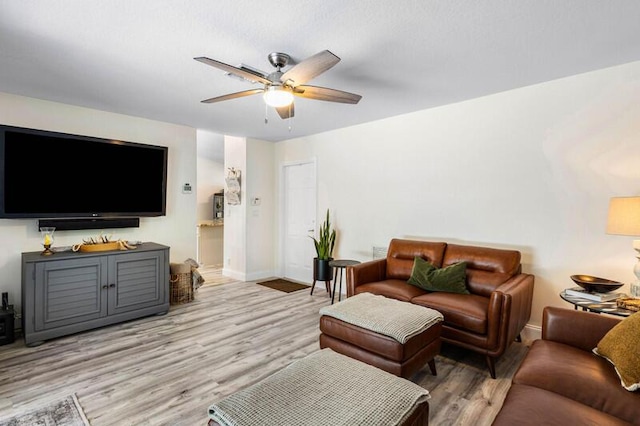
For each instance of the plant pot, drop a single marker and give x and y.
(321, 269)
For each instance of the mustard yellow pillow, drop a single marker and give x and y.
(621, 347)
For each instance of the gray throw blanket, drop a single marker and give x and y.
(324, 388)
(390, 317)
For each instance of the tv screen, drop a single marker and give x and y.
(54, 175)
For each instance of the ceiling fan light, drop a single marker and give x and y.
(278, 96)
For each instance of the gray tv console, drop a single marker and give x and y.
(69, 292)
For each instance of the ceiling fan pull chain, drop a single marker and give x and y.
(266, 114)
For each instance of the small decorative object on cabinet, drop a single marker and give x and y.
(73, 292)
(102, 243)
(47, 239)
(324, 244)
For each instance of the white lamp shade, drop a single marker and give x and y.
(277, 96)
(624, 216)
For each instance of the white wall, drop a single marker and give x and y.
(177, 229)
(249, 228)
(531, 169)
(260, 181)
(235, 229)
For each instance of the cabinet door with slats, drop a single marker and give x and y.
(136, 281)
(70, 291)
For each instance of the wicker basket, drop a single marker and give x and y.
(180, 283)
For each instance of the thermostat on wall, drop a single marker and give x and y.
(186, 188)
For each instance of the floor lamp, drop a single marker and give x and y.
(624, 219)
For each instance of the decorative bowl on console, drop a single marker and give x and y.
(595, 284)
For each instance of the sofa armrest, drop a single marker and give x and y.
(579, 329)
(366, 272)
(518, 298)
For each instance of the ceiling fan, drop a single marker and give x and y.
(279, 88)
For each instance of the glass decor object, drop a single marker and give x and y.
(47, 239)
(624, 219)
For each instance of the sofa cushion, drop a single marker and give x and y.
(487, 268)
(528, 405)
(396, 289)
(450, 279)
(578, 375)
(621, 347)
(402, 252)
(464, 311)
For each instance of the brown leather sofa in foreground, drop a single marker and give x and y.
(562, 382)
(486, 321)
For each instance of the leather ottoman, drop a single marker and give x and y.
(370, 345)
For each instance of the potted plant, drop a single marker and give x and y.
(324, 249)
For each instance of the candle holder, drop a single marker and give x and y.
(47, 237)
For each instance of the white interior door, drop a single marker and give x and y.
(299, 221)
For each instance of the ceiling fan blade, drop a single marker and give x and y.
(233, 96)
(326, 94)
(254, 77)
(286, 111)
(310, 68)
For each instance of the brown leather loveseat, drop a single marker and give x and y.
(562, 382)
(486, 321)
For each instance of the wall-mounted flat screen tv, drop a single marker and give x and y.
(56, 175)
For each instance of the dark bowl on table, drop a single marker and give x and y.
(599, 285)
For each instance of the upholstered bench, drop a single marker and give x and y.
(398, 337)
(325, 388)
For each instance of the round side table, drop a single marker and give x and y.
(339, 265)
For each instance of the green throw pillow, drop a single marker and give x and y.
(621, 347)
(452, 279)
(420, 272)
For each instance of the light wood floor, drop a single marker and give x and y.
(167, 370)
(213, 275)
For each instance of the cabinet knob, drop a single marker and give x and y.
(104, 287)
(112, 285)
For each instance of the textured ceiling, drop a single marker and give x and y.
(135, 57)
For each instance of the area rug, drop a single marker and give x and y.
(284, 285)
(66, 412)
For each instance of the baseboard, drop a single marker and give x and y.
(234, 274)
(530, 333)
(260, 275)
